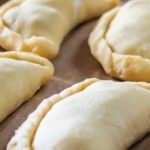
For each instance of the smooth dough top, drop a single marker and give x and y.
(121, 41)
(129, 31)
(39, 26)
(45, 17)
(21, 75)
(106, 115)
(90, 115)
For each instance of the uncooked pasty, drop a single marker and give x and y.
(39, 26)
(91, 115)
(21, 75)
(121, 41)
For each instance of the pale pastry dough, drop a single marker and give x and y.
(91, 115)
(21, 75)
(121, 41)
(39, 26)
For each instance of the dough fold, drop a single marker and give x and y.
(122, 44)
(21, 75)
(39, 26)
(93, 114)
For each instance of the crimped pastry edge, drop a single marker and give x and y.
(125, 67)
(24, 135)
(12, 40)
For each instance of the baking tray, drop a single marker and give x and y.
(73, 64)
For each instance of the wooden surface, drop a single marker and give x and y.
(73, 64)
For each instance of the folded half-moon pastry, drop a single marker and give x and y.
(121, 41)
(21, 75)
(39, 26)
(91, 115)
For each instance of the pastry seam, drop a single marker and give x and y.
(12, 40)
(126, 67)
(23, 56)
(25, 134)
(24, 139)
